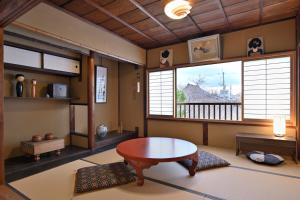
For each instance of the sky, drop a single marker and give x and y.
(212, 75)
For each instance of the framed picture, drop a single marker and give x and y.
(255, 46)
(101, 84)
(204, 49)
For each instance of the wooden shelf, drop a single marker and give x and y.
(37, 70)
(40, 98)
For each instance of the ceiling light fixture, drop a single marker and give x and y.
(177, 9)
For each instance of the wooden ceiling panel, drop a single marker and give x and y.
(155, 31)
(245, 17)
(59, 2)
(241, 7)
(155, 8)
(78, 7)
(270, 2)
(96, 17)
(174, 24)
(210, 25)
(187, 31)
(124, 31)
(285, 14)
(232, 2)
(146, 2)
(103, 2)
(134, 16)
(208, 16)
(112, 24)
(280, 7)
(119, 7)
(201, 7)
(144, 23)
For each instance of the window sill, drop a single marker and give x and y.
(246, 123)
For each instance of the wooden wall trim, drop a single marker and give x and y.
(2, 179)
(91, 100)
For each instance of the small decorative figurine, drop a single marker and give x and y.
(19, 86)
(33, 88)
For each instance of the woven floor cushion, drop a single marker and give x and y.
(264, 158)
(102, 176)
(205, 161)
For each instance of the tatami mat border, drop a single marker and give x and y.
(18, 192)
(263, 171)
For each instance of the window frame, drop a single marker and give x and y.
(148, 96)
(290, 123)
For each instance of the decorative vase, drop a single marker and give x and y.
(19, 86)
(101, 131)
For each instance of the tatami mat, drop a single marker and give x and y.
(58, 184)
(243, 180)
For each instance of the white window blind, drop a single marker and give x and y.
(267, 85)
(161, 92)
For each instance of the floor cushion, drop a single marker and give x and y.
(263, 158)
(205, 161)
(102, 176)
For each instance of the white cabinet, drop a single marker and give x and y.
(13, 55)
(61, 64)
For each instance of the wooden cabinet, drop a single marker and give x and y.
(32, 59)
(13, 55)
(61, 64)
(246, 142)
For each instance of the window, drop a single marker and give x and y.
(250, 90)
(161, 94)
(209, 91)
(267, 86)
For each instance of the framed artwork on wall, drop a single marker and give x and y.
(101, 84)
(204, 49)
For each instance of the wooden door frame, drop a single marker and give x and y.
(10, 10)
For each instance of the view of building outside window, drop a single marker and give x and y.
(209, 91)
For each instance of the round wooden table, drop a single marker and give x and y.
(143, 153)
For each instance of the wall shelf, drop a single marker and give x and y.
(39, 98)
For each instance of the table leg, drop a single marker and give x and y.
(192, 169)
(125, 162)
(139, 166)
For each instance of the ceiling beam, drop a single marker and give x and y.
(221, 7)
(139, 6)
(10, 10)
(261, 7)
(101, 9)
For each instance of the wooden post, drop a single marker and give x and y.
(298, 81)
(205, 133)
(145, 101)
(91, 101)
(2, 179)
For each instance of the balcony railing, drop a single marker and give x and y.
(214, 111)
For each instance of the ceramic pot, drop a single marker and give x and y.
(101, 131)
(36, 138)
(49, 136)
